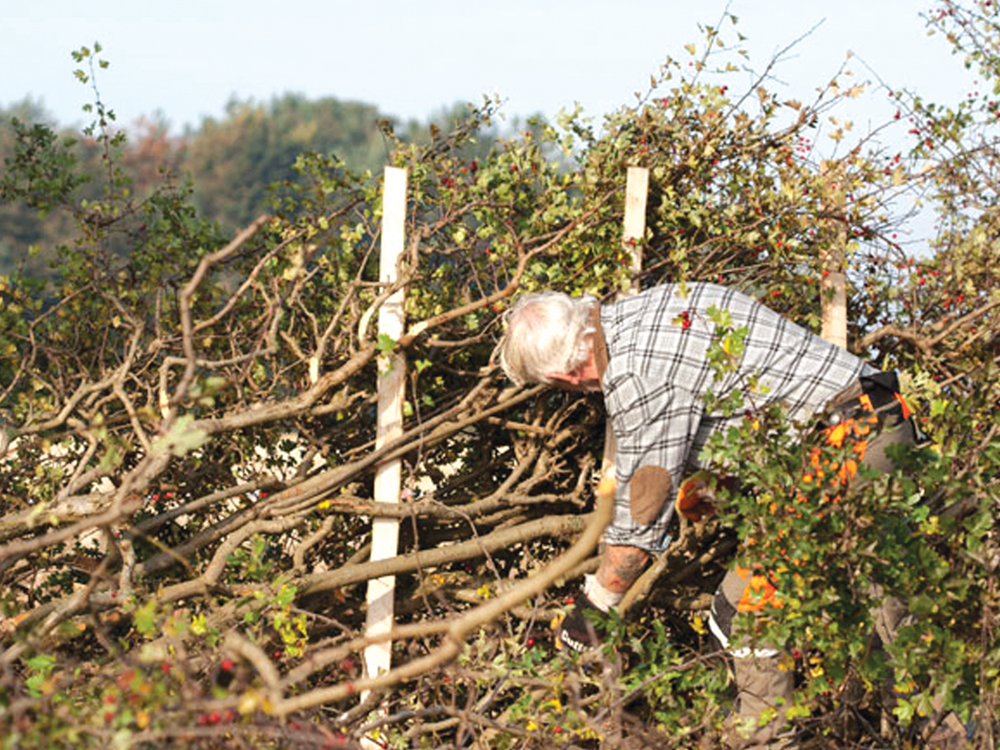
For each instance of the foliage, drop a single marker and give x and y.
(233, 166)
(187, 437)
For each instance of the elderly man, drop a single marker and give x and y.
(649, 357)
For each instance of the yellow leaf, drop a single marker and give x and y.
(905, 687)
(690, 48)
(698, 625)
(248, 702)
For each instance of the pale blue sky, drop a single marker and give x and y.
(187, 58)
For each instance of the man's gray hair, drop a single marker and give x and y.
(547, 333)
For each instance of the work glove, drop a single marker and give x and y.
(577, 632)
(696, 497)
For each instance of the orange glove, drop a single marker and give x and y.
(696, 496)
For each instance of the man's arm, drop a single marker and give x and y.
(620, 567)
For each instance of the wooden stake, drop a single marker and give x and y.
(391, 381)
(833, 259)
(636, 192)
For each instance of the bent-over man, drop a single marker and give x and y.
(648, 356)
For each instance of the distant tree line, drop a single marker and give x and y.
(233, 166)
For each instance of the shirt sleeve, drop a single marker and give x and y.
(654, 429)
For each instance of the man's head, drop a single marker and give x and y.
(548, 340)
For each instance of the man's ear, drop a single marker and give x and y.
(569, 381)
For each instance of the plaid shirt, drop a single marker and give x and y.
(656, 378)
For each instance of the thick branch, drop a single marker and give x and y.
(470, 621)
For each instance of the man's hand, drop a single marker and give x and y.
(577, 632)
(696, 497)
(619, 568)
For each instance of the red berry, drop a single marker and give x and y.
(227, 665)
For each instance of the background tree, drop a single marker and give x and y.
(234, 164)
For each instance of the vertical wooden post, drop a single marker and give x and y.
(391, 382)
(833, 258)
(636, 193)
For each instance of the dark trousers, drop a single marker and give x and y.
(763, 673)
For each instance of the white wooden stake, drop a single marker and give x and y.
(833, 261)
(636, 192)
(392, 372)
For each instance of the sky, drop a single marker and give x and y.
(185, 59)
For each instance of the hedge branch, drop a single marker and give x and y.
(460, 629)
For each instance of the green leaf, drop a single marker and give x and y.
(43, 663)
(182, 438)
(385, 343)
(938, 407)
(904, 711)
(144, 618)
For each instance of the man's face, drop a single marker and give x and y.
(584, 378)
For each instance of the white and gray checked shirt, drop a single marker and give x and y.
(657, 376)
